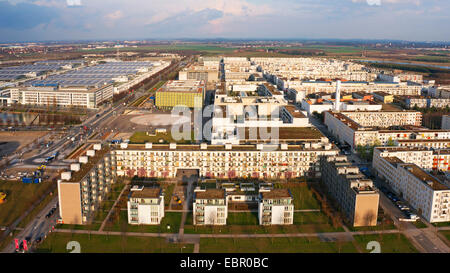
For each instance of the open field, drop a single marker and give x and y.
(22, 137)
(57, 242)
(19, 198)
(274, 245)
(390, 243)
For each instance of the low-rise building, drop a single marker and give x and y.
(145, 206)
(210, 207)
(276, 207)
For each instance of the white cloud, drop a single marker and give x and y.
(116, 15)
(73, 3)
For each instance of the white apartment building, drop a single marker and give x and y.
(210, 207)
(223, 161)
(361, 128)
(276, 207)
(427, 194)
(145, 206)
(425, 158)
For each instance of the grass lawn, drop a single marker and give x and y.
(56, 243)
(168, 190)
(142, 137)
(19, 198)
(246, 222)
(242, 218)
(446, 233)
(303, 196)
(170, 218)
(37, 209)
(441, 224)
(420, 224)
(390, 243)
(275, 245)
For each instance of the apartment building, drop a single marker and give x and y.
(189, 93)
(207, 73)
(385, 119)
(62, 96)
(276, 207)
(82, 189)
(353, 128)
(445, 122)
(210, 207)
(145, 206)
(426, 193)
(357, 197)
(383, 97)
(425, 158)
(223, 161)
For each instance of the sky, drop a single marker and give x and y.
(44, 20)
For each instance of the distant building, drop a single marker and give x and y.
(62, 96)
(445, 122)
(383, 97)
(276, 207)
(145, 206)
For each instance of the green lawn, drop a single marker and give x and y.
(142, 137)
(441, 224)
(420, 224)
(19, 198)
(303, 196)
(57, 242)
(274, 245)
(390, 243)
(170, 218)
(446, 233)
(242, 218)
(246, 222)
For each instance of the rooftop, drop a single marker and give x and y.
(210, 194)
(146, 193)
(276, 194)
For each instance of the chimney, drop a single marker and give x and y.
(337, 102)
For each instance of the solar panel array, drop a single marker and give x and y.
(15, 72)
(92, 76)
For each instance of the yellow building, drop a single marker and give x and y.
(182, 93)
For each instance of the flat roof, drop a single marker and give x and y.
(87, 167)
(425, 177)
(146, 193)
(276, 194)
(210, 194)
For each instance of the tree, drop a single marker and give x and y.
(390, 142)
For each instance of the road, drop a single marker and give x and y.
(39, 227)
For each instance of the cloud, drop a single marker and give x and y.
(73, 3)
(116, 15)
(25, 15)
